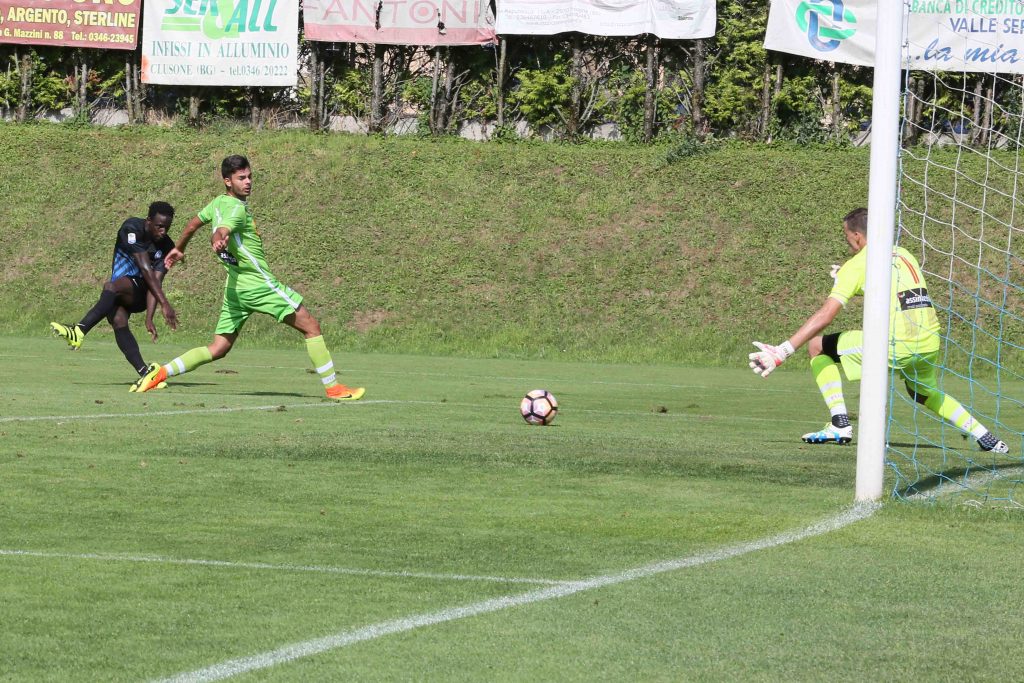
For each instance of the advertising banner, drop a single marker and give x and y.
(400, 22)
(672, 19)
(110, 24)
(942, 35)
(221, 42)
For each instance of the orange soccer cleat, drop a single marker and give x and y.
(340, 392)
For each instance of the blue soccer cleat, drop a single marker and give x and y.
(830, 434)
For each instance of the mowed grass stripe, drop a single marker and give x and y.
(276, 567)
(369, 402)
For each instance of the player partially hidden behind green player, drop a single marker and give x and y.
(135, 285)
(914, 343)
(250, 286)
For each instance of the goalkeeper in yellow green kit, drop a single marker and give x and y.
(913, 343)
(250, 287)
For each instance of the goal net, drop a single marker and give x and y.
(961, 212)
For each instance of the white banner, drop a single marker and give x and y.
(397, 22)
(942, 35)
(672, 19)
(220, 42)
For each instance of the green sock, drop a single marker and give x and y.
(188, 361)
(321, 357)
(951, 410)
(826, 374)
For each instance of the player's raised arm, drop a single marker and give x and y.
(178, 253)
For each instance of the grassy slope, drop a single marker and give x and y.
(402, 245)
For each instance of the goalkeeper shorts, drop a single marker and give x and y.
(916, 367)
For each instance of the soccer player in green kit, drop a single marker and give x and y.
(250, 287)
(913, 348)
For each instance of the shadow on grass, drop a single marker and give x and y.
(897, 444)
(955, 475)
(170, 384)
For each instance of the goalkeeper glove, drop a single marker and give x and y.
(769, 357)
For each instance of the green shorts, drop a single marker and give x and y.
(274, 299)
(915, 367)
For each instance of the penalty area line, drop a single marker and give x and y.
(308, 648)
(512, 378)
(156, 559)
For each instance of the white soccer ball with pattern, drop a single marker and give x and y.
(539, 407)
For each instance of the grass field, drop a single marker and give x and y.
(668, 526)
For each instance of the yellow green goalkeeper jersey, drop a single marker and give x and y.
(243, 257)
(913, 325)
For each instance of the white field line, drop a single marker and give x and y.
(759, 388)
(308, 648)
(155, 559)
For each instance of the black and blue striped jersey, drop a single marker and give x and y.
(133, 238)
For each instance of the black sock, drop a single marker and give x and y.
(130, 348)
(107, 303)
(841, 420)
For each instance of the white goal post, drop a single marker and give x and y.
(946, 184)
(882, 188)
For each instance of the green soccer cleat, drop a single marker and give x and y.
(154, 379)
(69, 333)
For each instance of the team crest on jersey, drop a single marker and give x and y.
(131, 238)
(158, 254)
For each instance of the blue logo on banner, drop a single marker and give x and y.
(822, 22)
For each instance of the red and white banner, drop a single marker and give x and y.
(672, 19)
(112, 24)
(400, 22)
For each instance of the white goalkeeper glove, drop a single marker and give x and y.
(769, 357)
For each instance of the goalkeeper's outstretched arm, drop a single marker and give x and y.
(768, 357)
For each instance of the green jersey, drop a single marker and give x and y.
(243, 257)
(913, 325)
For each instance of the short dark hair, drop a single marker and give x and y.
(857, 220)
(235, 162)
(160, 209)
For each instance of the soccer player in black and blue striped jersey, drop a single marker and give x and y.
(135, 285)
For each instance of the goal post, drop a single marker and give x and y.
(946, 184)
(882, 203)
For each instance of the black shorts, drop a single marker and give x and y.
(139, 290)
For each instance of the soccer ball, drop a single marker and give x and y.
(539, 407)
